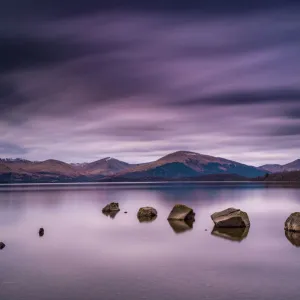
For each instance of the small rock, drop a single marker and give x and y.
(2, 245)
(147, 214)
(41, 232)
(112, 207)
(293, 222)
(230, 218)
(181, 212)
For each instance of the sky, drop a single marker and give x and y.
(85, 79)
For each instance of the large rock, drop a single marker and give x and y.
(2, 245)
(112, 207)
(231, 217)
(147, 214)
(181, 212)
(232, 234)
(293, 222)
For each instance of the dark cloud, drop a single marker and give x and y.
(11, 149)
(85, 79)
(67, 8)
(283, 96)
(21, 52)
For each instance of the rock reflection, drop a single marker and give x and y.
(147, 219)
(111, 214)
(180, 226)
(293, 237)
(232, 234)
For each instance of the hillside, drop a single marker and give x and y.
(276, 168)
(189, 164)
(106, 166)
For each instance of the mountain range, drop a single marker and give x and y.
(180, 165)
(177, 165)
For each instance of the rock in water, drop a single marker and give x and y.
(146, 214)
(2, 245)
(41, 232)
(112, 207)
(231, 217)
(182, 212)
(293, 222)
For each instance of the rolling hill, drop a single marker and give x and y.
(276, 168)
(188, 164)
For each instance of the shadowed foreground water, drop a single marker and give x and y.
(85, 254)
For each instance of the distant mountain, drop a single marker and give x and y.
(272, 168)
(293, 166)
(188, 164)
(180, 165)
(106, 166)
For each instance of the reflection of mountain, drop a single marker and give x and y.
(293, 237)
(181, 226)
(232, 234)
(111, 214)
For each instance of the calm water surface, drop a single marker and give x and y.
(87, 255)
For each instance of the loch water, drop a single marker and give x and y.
(86, 255)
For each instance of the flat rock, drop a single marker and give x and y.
(2, 245)
(181, 212)
(111, 207)
(293, 222)
(230, 218)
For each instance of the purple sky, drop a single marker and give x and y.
(83, 80)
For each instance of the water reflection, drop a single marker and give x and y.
(232, 234)
(111, 214)
(293, 237)
(180, 226)
(147, 219)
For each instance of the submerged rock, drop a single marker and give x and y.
(293, 222)
(231, 217)
(180, 226)
(182, 212)
(112, 207)
(293, 237)
(232, 234)
(2, 245)
(41, 232)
